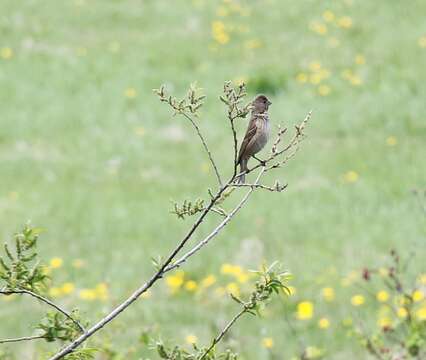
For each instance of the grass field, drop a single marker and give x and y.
(89, 153)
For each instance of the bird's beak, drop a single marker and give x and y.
(269, 103)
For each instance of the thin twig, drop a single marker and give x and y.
(206, 148)
(225, 221)
(46, 301)
(25, 338)
(223, 332)
(277, 187)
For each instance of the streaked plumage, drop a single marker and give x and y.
(257, 133)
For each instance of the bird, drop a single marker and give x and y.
(257, 134)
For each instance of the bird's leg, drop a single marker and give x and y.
(263, 162)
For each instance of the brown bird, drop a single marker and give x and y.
(257, 134)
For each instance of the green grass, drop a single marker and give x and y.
(72, 162)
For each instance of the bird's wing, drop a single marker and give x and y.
(251, 131)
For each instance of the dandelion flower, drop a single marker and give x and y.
(421, 313)
(402, 312)
(68, 288)
(351, 176)
(422, 42)
(233, 288)
(384, 322)
(191, 339)
(324, 90)
(305, 310)
(6, 53)
(328, 16)
(55, 292)
(417, 296)
(328, 294)
(324, 323)
(382, 296)
(359, 59)
(267, 342)
(391, 141)
(208, 281)
(130, 93)
(87, 294)
(345, 22)
(302, 78)
(191, 285)
(56, 262)
(357, 300)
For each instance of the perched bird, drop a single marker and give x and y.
(257, 134)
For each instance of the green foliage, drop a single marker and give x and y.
(82, 354)
(188, 208)
(19, 268)
(56, 326)
(179, 353)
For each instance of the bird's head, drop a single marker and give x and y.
(261, 104)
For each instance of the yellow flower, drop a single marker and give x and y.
(345, 22)
(324, 90)
(357, 300)
(318, 27)
(422, 279)
(314, 66)
(355, 80)
(242, 278)
(101, 291)
(315, 78)
(384, 322)
(350, 177)
(140, 131)
(324, 323)
(174, 282)
(130, 93)
(328, 16)
(191, 285)
(78, 263)
(253, 44)
(421, 313)
(55, 292)
(267, 342)
(68, 288)
(305, 310)
(391, 141)
(383, 272)
(417, 296)
(233, 288)
(56, 262)
(208, 281)
(226, 269)
(191, 339)
(402, 312)
(302, 78)
(219, 32)
(6, 53)
(328, 294)
(422, 42)
(382, 296)
(359, 59)
(87, 294)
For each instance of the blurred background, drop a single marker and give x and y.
(88, 153)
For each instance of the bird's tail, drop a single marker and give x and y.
(243, 167)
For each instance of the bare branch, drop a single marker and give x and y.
(217, 339)
(25, 338)
(46, 301)
(276, 188)
(206, 148)
(206, 240)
